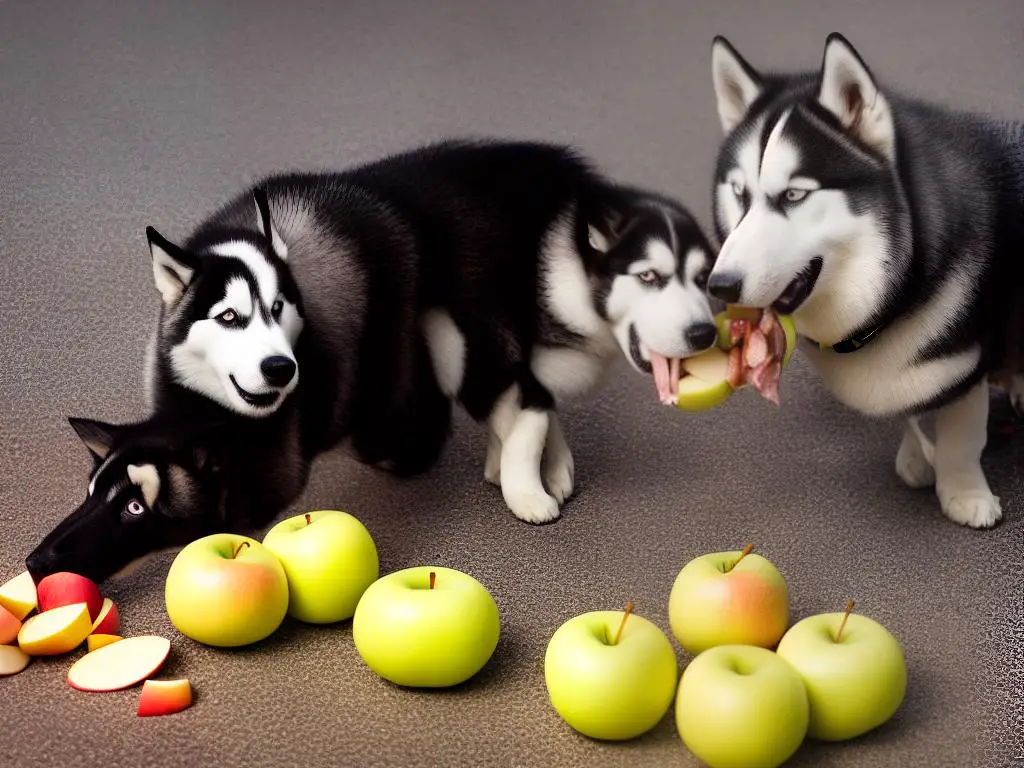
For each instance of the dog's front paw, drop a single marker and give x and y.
(532, 506)
(911, 465)
(559, 473)
(973, 508)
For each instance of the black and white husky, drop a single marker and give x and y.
(893, 231)
(316, 308)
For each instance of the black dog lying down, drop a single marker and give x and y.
(357, 306)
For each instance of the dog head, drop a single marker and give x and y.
(807, 200)
(153, 487)
(649, 262)
(231, 316)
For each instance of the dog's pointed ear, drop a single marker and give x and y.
(604, 230)
(265, 223)
(849, 91)
(173, 267)
(98, 436)
(737, 84)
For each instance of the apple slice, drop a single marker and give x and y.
(18, 595)
(109, 621)
(12, 660)
(54, 632)
(119, 665)
(705, 381)
(164, 697)
(9, 626)
(65, 588)
(95, 640)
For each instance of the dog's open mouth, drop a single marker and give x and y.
(255, 399)
(664, 369)
(799, 289)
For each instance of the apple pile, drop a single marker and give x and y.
(754, 346)
(831, 677)
(416, 627)
(69, 611)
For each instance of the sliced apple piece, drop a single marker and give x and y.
(9, 626)
(790, 328)
(66, 588)
(18, 595)
(109, 621)
(57, 631)
(164, 697)
(119, 665)
(12, 660)
(705, 382)
(95, 641)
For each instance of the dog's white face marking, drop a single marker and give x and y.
(221, 356)
(447, 350)
(657, 304)
(567, 291)
(147, 479)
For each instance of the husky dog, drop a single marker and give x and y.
(892, 230)
(358, 306)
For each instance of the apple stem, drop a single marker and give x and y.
(308, 519)
(744, 553)
(842, 624)
(240, 547)
(629, 610)
(433, 578)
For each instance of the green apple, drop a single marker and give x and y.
(741, 706)
(226, 590)
(329, 558)
(726, 598)
(789, 327)
(704, 383)
(854, 672)
(426, 626)
(609, 684)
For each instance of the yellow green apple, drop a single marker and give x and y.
(789, 327)
(704, 383)
(12, 660)
(726, 598)
(741, 706)
(426, 626)
(226, 590)
(18, 595)
(610, 675)
(56, 631)
(853, 669)
(329, 559)
(164, 697)
(119, 665)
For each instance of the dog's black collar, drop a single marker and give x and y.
(855, 342)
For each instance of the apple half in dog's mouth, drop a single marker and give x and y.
(704, 383)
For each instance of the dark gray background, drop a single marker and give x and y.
(118, 115)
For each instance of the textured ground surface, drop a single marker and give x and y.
(115, 117)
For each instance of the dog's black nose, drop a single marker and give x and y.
(701, 335)
(726, 286)
(278, 370)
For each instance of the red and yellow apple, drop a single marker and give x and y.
(119, 665)
(65, 588)
(727, 598)
(18, 595)
(226, 590)
(56, 631)
(109, 621)
(164, 697)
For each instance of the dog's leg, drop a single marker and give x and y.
(961, 431)
(492, 464)
(912, 465)
(559, 468)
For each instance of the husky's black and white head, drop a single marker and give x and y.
(808, 202)
(231, 315)
(649, 268)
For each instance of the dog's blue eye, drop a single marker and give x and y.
(134, 508)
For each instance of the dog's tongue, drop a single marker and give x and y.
(666, 377)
